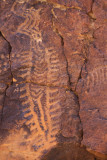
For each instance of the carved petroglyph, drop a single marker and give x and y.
(42, 109)
(40, 82)
(96, 77)
(42, 114)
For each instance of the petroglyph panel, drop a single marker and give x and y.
(37, 63)
(40, 110)
(43, 47)
(40, 86)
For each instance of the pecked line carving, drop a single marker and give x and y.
(96, 77)
(42, 111)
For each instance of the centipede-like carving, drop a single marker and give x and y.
(40, 81)
(41, 104)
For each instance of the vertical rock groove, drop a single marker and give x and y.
(9, 56)
(62, 44)
(3, 104)
(10, 83)
(67, 71)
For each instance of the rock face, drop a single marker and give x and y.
(53, 80)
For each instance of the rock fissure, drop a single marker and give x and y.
(90, 13)
(41, 84)
(3, 103)
(55, 29)
(69, 82)
(59, 6)
(88, 39)
(9, 57)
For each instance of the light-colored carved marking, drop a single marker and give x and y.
(55, 68)
(47, 58)
(26, 104)
(105, 74)
(35, 118)
(54, 107)
(52, 94)
(92, 80)
(54, 116)
(42, 114)
(47, 113)
(96, 77)
(37, 93)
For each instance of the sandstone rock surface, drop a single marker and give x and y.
(53, 80)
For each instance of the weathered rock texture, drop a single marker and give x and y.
(53, 80)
